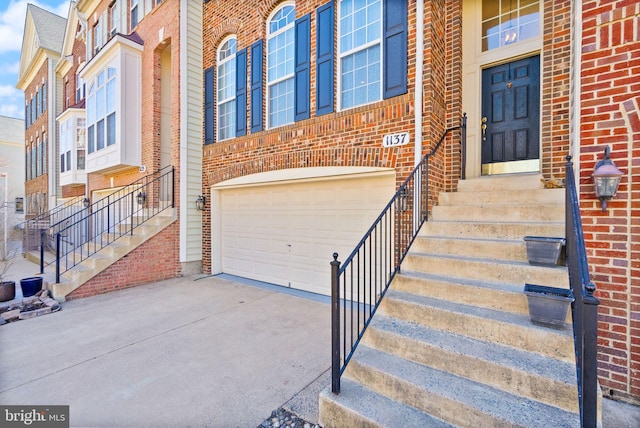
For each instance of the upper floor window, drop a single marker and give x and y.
(280, 66)
(114, 18)
(509, 21)
(134, 14)
(97, 36)
(360, 47)
(79, 88)
(227, 89)
(101, 114)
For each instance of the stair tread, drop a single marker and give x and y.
(485, 260)
(474, 311)
(493, 285)
(380, 409)
(511, 408)
(492, 352)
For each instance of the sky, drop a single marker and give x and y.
(12, 16)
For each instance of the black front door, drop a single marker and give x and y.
(511, 116)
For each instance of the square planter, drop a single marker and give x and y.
(542, 250)
(548, 306)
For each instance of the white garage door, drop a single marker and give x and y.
(285, 234)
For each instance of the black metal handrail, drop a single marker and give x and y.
(33, 227)
(358, 286)
(104, 222)
(585, 306)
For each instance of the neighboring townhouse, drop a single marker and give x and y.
(312, 120)
(11, 177)
(41, 47)
(125, 89)
(128, 118)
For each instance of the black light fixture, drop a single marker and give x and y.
(201, 202)
(606, 179)
(403, 198)
(86, 202)
(141, 198)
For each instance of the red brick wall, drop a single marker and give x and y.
(38, 184)
(610, 100)
(155, 260)
(345, 138)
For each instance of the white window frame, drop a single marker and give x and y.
(114, 16)
(98, 42)
(270, 84)
(221, 62)
(134, 7)
(342, 55)
(92, 118)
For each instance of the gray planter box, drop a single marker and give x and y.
(542, 250)
(548, 306)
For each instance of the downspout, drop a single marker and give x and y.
(574, 133)
(52, 136)
(417, 103)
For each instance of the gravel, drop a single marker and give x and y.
(281, 418)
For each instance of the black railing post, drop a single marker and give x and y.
(590, 359)
(132, 210)
(463, 147)
(58, 238)
(42, 234)
(335, 324)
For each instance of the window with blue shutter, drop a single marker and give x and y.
(209, 113)
(256, 87)
(302, 63)
(324, 59)
(241, 92)
(395, 48)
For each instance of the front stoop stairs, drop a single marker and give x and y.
(105, 257)
(452, 343)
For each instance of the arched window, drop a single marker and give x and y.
(226, 98)
(280, 65)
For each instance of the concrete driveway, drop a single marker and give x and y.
(183, 352)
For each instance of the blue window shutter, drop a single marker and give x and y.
(302, 64)
(324, 59)
(241, 93)
(395, 48)
(209, 112)
(256, 87)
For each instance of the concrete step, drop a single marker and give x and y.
(504, 182)
(500, 213)
(503, 197)
(526, 374)
(499, 296)
(486, 269)
(499, 249)
(513, 330)
(456, 400)
(357, 406)
(491, 230)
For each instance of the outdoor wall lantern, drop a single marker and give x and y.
(606, 178)
(403, 198)
(141, 198)
(200, 202)
(86, 202)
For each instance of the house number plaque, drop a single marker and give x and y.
(393, 140)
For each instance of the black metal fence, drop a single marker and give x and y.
(100, 224)
(358, 285)
(584, 308)
(32, 231)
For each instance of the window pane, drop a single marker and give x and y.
(100, 135)
(100, 103)
(280, 67)
(361, 84)
(111, 129)
(504, 23)
(280, 106)
(62, 163)
(80, 159)
(111, 95)
(69, 167)
(227, 120)
(90, 139)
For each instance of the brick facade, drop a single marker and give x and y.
(155, 260)
(610, 100)
(350, 137)
(36, 187)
